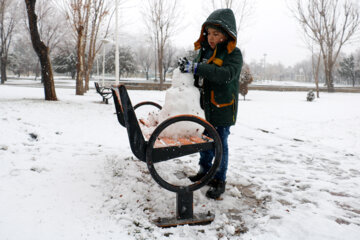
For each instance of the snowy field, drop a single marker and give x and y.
(67, 172)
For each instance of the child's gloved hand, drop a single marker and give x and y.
(186, 66)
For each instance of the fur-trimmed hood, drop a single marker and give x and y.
(225, 19)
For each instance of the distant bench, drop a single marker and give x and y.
(105, 92)
(157, 149)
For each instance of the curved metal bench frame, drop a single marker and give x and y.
(150, 152)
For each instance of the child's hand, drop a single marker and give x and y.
(186, 66)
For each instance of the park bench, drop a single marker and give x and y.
(154, 149)
(105, 92)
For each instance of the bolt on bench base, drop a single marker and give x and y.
(199, 219)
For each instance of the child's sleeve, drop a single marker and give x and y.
(224, 74)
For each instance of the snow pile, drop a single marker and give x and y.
(182, 98)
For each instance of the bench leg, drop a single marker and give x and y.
(184, 205)
(184, 213)
(105, 100)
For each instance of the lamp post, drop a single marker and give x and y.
(103, 73)
(116, 44)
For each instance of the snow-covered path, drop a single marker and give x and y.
(66, 171)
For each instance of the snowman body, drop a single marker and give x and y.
(181, 98)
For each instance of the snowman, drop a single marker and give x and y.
(181, 98)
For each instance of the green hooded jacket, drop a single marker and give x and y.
(221, 72)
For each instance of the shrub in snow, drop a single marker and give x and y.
(310, 96)
(181, 98)
(245, 79)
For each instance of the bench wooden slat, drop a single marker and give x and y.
(159, 144)
(185, 141)
(207, 139)
(169, 141)
(197, 139)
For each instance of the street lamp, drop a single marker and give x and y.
(116, 44)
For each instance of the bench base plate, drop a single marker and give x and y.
(199, 219)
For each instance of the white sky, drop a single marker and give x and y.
(271, 31)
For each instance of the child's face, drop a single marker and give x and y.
(214, 37)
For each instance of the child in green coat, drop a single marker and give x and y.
(217, 71)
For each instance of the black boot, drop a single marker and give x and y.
(217, 189)
(197, 177)
(212, 182)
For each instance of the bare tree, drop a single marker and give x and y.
(315, 60)
(315, 63)
(22, 57)
(8, 9)
(144, 58)
(99, 11)
(51, 25)
(161, 18)
(87, 18)
(42, 51)
(168, 59)
(330, 26)
(78, 13)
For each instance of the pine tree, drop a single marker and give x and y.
(347, 69)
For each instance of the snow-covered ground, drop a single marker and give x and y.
(67, 172)
(288, 83)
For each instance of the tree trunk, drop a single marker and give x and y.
(80, 63)
(88, 73)
(328, 72)
(317, 76)
(42, 51)
(87, 79)
(353, 79)
(37, 71)
(329, 80)
(3, 70)
(73, 74)
(160, 57)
